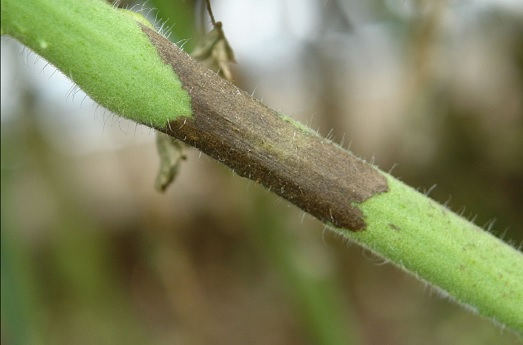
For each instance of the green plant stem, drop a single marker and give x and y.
(196, 106)
(65, 33)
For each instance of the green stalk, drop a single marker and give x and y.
(445, 250)
(138, 74)
(104, 52)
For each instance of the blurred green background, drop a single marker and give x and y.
(91, 254)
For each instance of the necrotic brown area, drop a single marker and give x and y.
(258, 143)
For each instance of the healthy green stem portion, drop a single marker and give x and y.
(444, 249)
(133, 70)
(104, 52)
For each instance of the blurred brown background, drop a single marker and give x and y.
(91, 254)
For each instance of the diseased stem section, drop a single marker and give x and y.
(258, 143)
(400, 224)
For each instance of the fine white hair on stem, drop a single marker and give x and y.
(350, 144)
(42, 70)
(254, 90)
(161, 26)
(489, 224)
(184, 42)
(70, 92)
(330, 135)
(116, 3)
(54, 71)
(447, 203)
(427, 193)
(342, 141)
(25, 55)
(392, 168)
(124, 130)
(82, 101)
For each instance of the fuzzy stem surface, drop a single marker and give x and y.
(137, 73)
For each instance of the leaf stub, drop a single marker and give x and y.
(258, 143)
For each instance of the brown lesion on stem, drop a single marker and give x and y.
(256, 142)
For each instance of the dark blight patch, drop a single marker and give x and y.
(256, 142)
